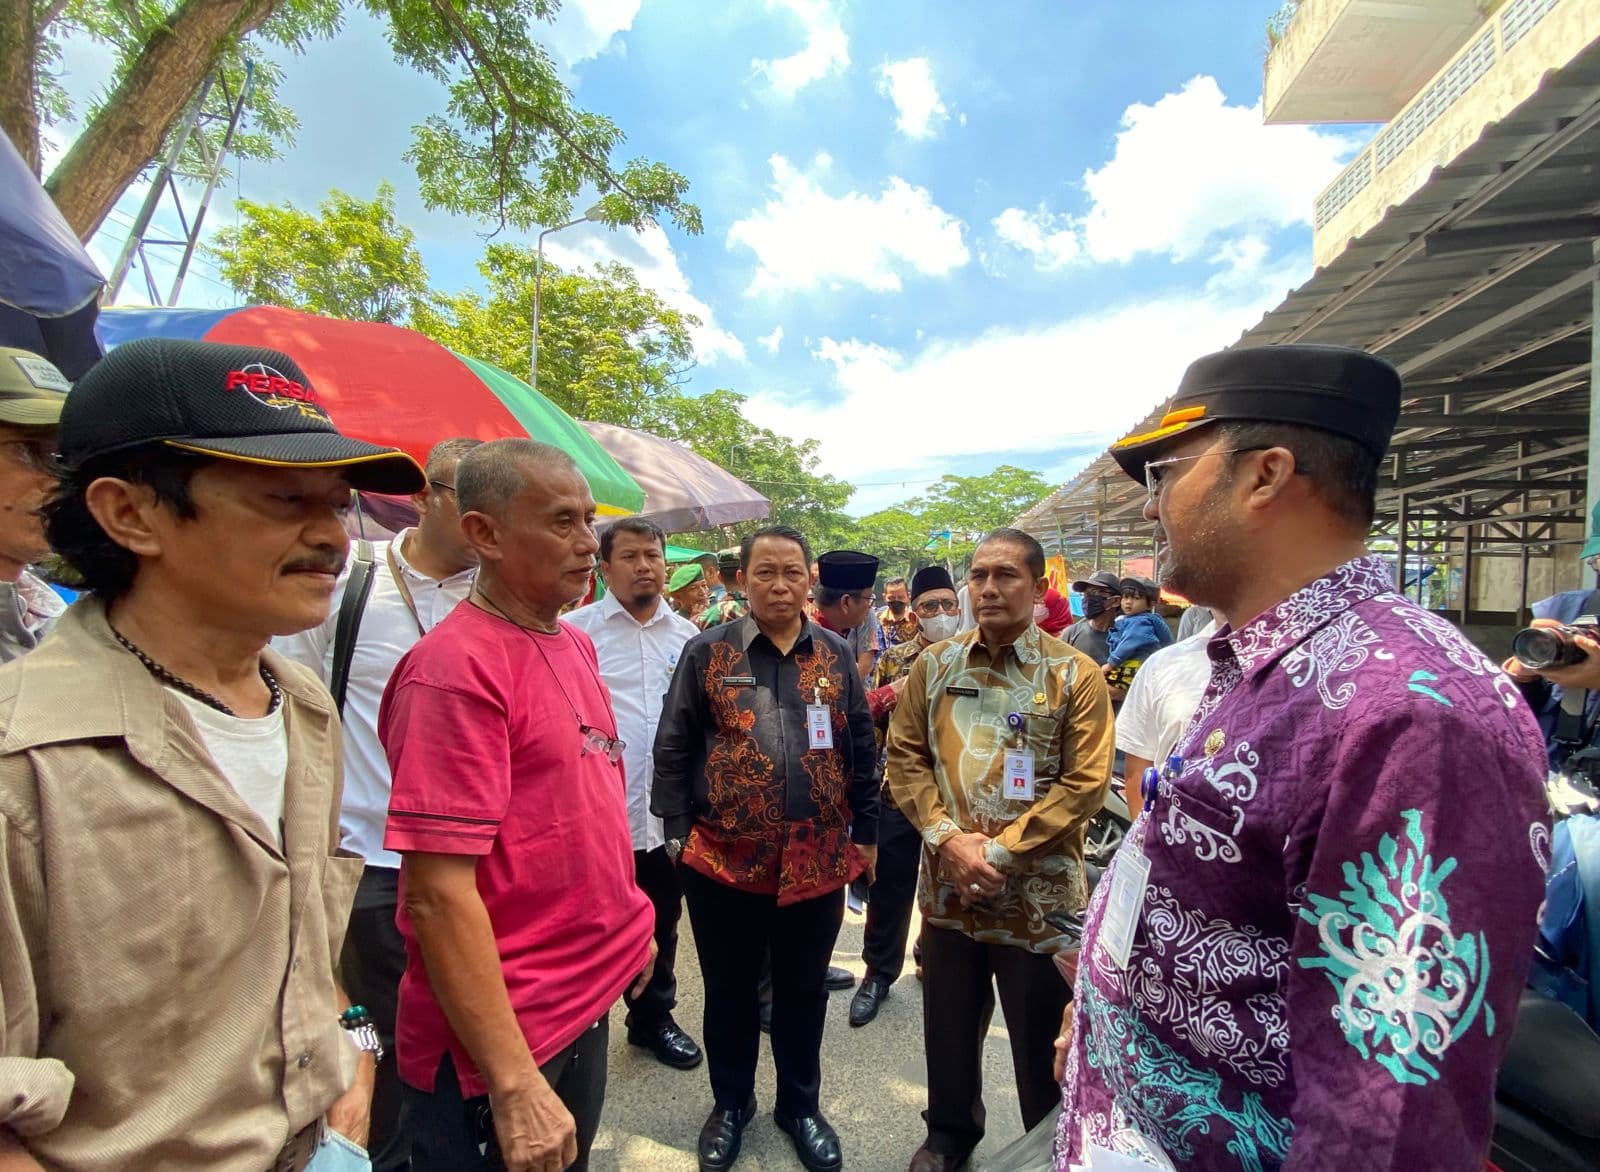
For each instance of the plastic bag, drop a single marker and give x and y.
(1034, 1152)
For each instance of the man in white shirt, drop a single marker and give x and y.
(416, 580)
(638, 637)
(1160, 703)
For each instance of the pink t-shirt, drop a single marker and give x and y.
(480, 723)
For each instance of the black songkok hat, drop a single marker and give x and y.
(1334, 388)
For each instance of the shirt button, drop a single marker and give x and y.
(304, 1060)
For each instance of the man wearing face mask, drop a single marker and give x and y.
(937, 614)
(1102, 596)
(897, 622)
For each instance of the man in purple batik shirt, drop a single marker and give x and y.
(1308, 953)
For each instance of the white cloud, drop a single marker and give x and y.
(772, 341)
(826, 49)
(584, 29)
(1074, 384)
(804, 238)
(649, 253)
(909, 85)
(1052, 240)
(1191, 168)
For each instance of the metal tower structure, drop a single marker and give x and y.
(215, 105)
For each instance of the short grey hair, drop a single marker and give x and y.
(446, 454)
(491, 475)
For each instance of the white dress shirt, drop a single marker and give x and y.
(1163, 696)
(636, 662)
(387, 632)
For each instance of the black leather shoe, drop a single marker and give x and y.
(815, 1142)
(721, 1136)
(838, 978)
(927, 1160)
(864, 1005)
(671, 1046)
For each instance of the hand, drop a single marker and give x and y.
(645, 973)
(1116, 693)
(535, 1130)
(1578, 675)
(871, 853)
(351, 1113)
(964, 865)
(1519, 672)
(1063, 1042)
(899, 686)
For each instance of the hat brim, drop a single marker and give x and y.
(368, 467)
(1133, 452)
(1591, 547)
(39, 412)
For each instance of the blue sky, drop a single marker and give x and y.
(934, 240)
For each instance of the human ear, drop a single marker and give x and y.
(127, 513)
(483, 534)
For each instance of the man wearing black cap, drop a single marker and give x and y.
(844, 602)
(766, 781)
(1309, 950)
(1102, 595)
(32, 393)
(172, 889)
(883, 948)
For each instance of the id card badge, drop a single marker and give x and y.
(1019, 774)
(819, 726)
(1125, 902)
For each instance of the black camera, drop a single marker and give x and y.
(1541, 647)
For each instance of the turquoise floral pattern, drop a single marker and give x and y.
(1407, 983)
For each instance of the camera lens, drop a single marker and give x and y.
(1539, 648)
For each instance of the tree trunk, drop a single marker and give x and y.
(130, 128)
(19, 111)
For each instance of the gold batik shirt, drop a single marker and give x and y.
(946, 758)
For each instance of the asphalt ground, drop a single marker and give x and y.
(874, 1084)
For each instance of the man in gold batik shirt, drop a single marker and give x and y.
(999, 752)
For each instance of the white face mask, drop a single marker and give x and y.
(940, 627)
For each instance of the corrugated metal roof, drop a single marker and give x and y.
(1470, 291)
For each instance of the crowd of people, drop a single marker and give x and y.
(312, 848)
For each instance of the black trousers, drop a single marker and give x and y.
(453, 1134)
(657, 877)
(732, 929)
(892, 896)
(371, 965)
(959, 975)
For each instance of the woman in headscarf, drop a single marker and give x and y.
(1057, 612)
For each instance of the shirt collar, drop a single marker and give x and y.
(610, 608)
(1025, 646)
(750, 631)
(396, 546)
(1267, 636)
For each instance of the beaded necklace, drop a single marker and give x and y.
(188, 689)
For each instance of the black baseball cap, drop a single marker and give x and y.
(248, 404)
(1333, 388)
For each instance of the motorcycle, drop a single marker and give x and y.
(1106, 830)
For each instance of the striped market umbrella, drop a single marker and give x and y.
(393, 386)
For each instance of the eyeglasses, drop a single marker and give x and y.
(36, 454)
(443, 487)
(934, 605)
(598, 741)
(1156, 469)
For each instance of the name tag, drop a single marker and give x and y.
(739, 681)
(1125, 902)
(952, 690)
(1019, 775)
(819, 726)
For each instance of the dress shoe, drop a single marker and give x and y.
(864, 1005)
(671, 1046)
(926, 1160)
(815, 1142)
(721, 1136)
(838, 978)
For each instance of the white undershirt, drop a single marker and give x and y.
(251, 752)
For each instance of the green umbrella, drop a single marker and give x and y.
(615, 492)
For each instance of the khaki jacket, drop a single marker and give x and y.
(167, 995)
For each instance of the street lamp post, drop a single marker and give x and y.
(590, 216)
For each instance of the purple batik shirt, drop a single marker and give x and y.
(1344, 880)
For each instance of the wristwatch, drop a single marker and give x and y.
(674, 848)
(358, 1023)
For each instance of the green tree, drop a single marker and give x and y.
(352, 260)
(511, 147)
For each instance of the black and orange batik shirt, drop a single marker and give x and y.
(736, 778)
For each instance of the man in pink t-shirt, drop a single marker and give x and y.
(522, 920)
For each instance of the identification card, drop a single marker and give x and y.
(819, 726)
(1019, 775)
(1125, 903)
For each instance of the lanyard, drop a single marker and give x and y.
(405, 591)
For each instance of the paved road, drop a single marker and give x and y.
(873, 1085)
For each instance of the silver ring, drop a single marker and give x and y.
(974, 888)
